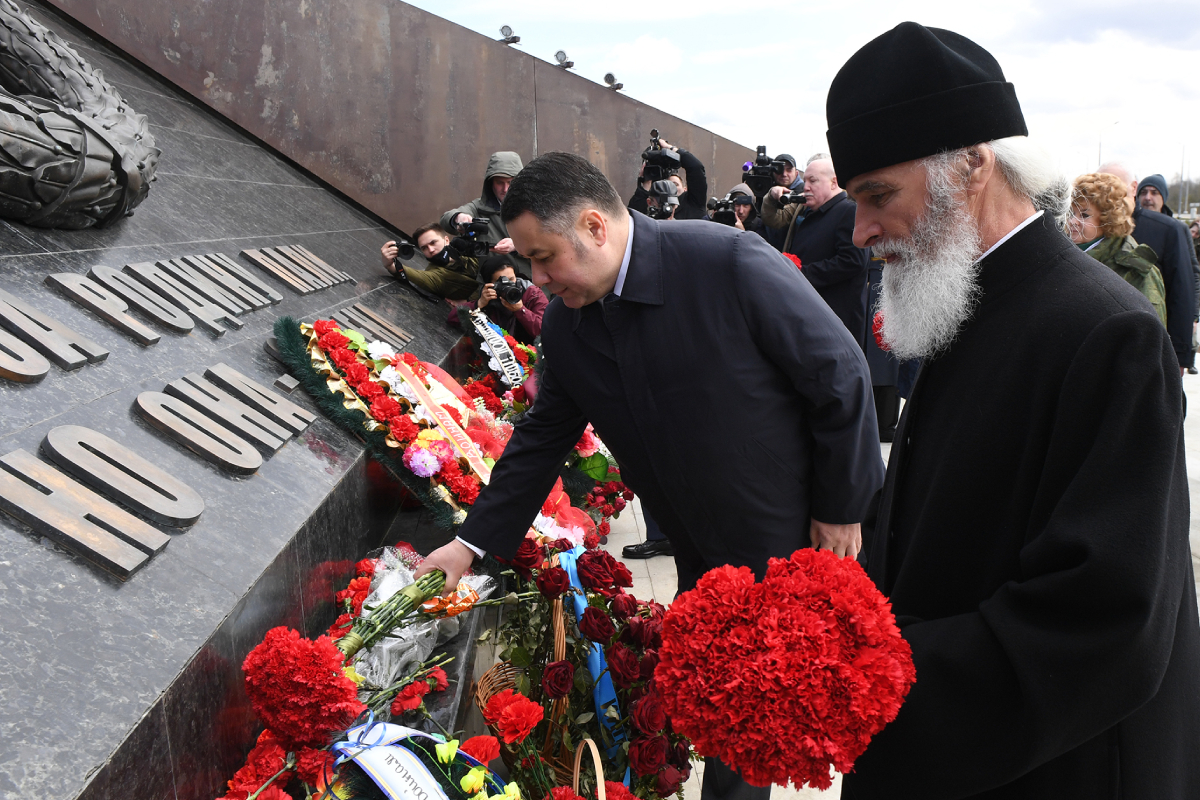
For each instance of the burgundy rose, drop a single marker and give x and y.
(623, 665)
(649, 633)
(657, 611)
(624, 606)
(558, 679)
(621, 576)
(679, 756)
(528, 556)
(593, 570)
(649, 715)
(649, 662)
(563, 545)
(648, 754)
(552, 582)
(668, 781)
(596, 625)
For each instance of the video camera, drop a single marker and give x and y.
(659, 163)
(470, 241)
(791, 197)
(760, 174)
(722, 211)
(665, 193)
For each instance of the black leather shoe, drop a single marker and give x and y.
(648, 549)
(1193, 371)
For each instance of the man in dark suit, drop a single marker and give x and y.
(736, 403)
(1032, 534)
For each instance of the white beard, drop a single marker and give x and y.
(931, 287)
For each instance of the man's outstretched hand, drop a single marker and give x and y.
(453, 559)
(843, 540)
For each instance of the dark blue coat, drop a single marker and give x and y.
(1170, 240)
(735, 402)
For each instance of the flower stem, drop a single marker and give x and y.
(289, 764)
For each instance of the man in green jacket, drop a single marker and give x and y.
(501, 169)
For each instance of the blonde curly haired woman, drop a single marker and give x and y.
(1101, 224)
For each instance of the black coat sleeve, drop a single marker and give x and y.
(638, 201)
(827, 368)
(526, 472)
(1083, 638)
(1175, 263)
(696, 196)
(848, 262)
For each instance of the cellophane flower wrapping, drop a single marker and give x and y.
(786, 678)
(399, 654)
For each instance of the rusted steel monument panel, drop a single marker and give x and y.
(395, 107)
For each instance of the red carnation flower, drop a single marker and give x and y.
(623, 665)
(266, 759)
(648, 754)
(484, 749)
(591, 541)
(617, 791)
(877, 329)
(340, 627)
(343, 358)
(552, 582)
(366, 568)
(324, 326)
(558, 679)
(465, 488)
(384, 407)
(496, 705)
(649, 715)
(794, 259)
(357, 373)
(313, 765)
(454, 415)
(518, 719)
(439, 679)
(403, 429)
(410, 697)
(369, 390)
(596, 625)
(297, 688)
(839, 667)
(603, 528)
(332, 341)
(562, 793)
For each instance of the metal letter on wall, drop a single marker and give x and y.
(198, 433)
(74, 516)
(283, 411)
(235, 414)
(122, 475)
(56, 341)
(146, 301)
(19, 362)
(206, 313)
(104, 303)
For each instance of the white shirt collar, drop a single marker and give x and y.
(1010, 234)
(625, 262)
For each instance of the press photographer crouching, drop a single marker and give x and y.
(510, 301)
(664, 161)
(450, 274)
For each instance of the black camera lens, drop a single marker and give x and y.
(405, 251)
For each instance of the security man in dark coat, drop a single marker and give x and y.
(823, 240)
(1032, 532)
(737, 405)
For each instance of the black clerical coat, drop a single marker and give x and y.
(1033, 541)
(735, 402)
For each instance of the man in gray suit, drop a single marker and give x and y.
(736, 403)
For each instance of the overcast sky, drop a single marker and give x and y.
(1123, 77)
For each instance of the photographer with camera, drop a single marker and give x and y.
(662, 201)
(663, 161)
(782, 203)
(512, 302)
(450, 274)
(737, 209)
(502, 167)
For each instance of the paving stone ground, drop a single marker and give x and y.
(655, 577)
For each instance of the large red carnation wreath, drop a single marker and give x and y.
(785, 678)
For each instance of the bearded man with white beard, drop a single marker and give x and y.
(1032, 532)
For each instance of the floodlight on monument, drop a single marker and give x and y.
(506, 32)
(611, 80)
(561, 58)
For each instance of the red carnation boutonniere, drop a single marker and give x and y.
(794, 259)
(877, 329)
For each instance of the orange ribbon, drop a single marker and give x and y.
(461, 599)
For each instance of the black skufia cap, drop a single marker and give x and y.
(914, 92)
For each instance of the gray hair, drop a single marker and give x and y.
(817, 157)
(1027, 168)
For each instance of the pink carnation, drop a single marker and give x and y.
(423, 463)
(589, 443)
(442, 450)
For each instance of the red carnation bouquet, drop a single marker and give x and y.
(785, 678)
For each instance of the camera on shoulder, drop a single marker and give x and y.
(660, 162)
